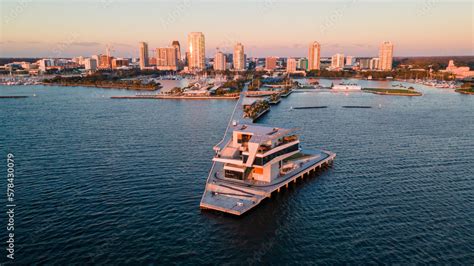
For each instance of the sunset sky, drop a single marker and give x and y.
(265, 27)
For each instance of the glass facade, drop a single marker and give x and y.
(262, 161)
(234, 175)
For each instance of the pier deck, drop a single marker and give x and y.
(237, 197)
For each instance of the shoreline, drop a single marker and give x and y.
(392, 92)
(177, 97)
(395, 94)
(461, 91)
(116, 87)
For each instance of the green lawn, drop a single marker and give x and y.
(392, 91)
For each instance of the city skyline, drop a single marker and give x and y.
(270, 28)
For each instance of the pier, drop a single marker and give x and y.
(13, 97)
(243, 171)
(236, 198)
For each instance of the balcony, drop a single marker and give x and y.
(285, 140)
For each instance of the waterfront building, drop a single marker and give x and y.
(90, 64)
(239, 57)
(302, 64)
(385, 56)
(220, 61)
(105, 61)
(196, 51)
(78, 60)
(459, 72)
(44, 64)
(144, 61)
(364, 63)
(271, 63)
(166, 58)
(349, 60)
(291, 65)
(374, 63)
(346, 87)
(96, 57)
(119, 63)
(314, 56)
(337, 61)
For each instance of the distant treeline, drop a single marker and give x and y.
(8, 60)
(436, 62)
(102, 81)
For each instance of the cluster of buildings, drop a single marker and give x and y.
(194, 59)
(169, 58)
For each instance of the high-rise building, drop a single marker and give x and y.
(302, 64)
(96, 57)
(166, 58)
(374, 63)
(196, 51)
(291, 65)
(271, 63)
(220, 61)
(349, 60)
(239, 57)
(364, 63)
(314, 56)
(90, 64)
(337, 61)
(386, 56)
(176, 45)
(105, 61)
(143, 55)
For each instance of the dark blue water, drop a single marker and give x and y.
(119, 181)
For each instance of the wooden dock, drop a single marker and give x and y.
(13, 97)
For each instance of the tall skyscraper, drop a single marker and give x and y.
(220, 61)
(196, 50)
(337, 61)
(239, 57)
(143, 55)
(291, 65)
(314, 56)
(386, 56)
(166, 58)
(176, 45)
